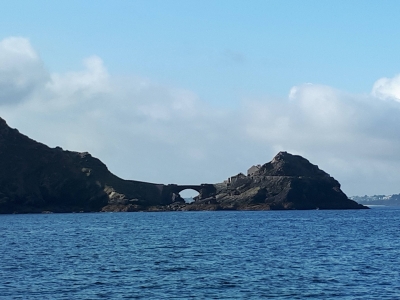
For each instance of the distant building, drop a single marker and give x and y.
(237, 179)
(253, 169)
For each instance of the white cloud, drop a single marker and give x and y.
(91, 81)
(313, 114)
(147, 131)
(21, 70)
(387, 88)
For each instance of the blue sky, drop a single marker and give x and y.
(179, 79)
(221, 49)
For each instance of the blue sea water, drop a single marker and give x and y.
(343, 254)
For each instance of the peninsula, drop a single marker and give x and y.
(35, 178)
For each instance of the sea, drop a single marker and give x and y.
(315, 254)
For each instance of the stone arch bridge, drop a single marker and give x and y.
(170, 192)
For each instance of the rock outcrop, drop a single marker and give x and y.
(36, 178)
(287, 182)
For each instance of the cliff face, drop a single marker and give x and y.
(287, 182)
(36, 178)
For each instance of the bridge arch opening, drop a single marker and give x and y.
(188, 195)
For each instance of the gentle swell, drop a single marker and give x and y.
(202, 255)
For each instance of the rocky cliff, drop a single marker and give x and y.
(36, 178)
(287, 182)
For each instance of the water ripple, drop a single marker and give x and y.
(202, 255)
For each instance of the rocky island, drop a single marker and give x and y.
(35, 178)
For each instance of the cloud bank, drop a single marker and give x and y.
(147, 131)
(21, 70)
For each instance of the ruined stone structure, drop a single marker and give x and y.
(170, 192)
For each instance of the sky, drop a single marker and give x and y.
(192, 92)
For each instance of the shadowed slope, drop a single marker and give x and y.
(34, 177)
